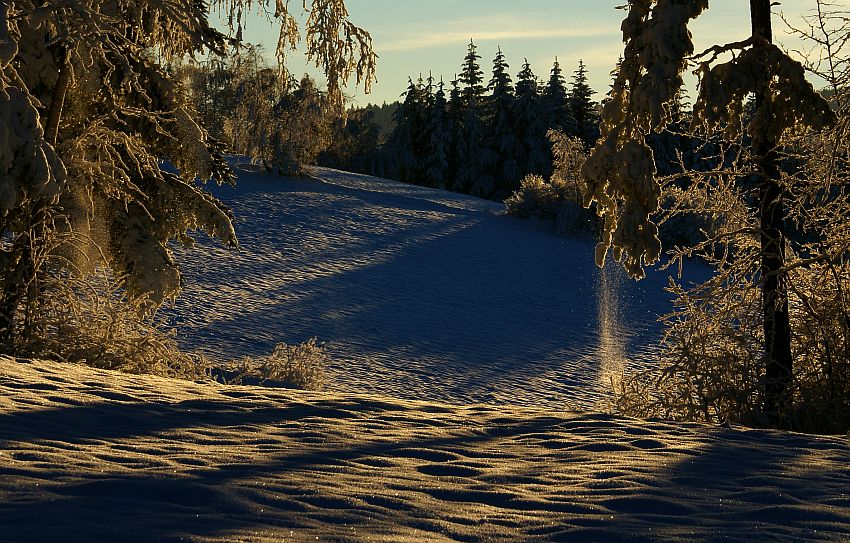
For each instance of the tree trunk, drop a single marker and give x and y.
(57, 104)
(21, 284)
(777, 326)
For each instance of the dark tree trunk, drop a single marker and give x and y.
(57, 104)
(21, 283)
(777, 326)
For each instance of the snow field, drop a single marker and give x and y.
(91, 455)
(419, 293)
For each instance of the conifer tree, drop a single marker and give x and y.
(556, 102)
(472, 174)
(472, 78)
(90, 109)
(439, 140)
(454, 121)
(582, 107)
(406, 135)
(531, 126)
(500, 128)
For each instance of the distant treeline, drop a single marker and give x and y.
(481, 137)
(468, 135)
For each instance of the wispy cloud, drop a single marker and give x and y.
(482, 29)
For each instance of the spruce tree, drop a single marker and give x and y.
(531, 126)
(472, 78)
(500, 128)
(472, 175)
(406, 135)
(582, 107)
(556, 102)
(454, 122)
(439, 140)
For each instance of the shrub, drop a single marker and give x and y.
(535, 198)
(712, 368)
(561, 197)
(88, 320)
(294, 366)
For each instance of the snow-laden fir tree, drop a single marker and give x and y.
(438, 135)
(454, 121)
(582, 107)
(531, 124)
(473, 175)
(500, 128)
(556, 102)
(89, 116)
(407, 141)
(91, 113)
(472, 78)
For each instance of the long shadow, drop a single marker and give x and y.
(482, 302)
(427, 201)
(742, 487)
(151, 505)
(104, 421)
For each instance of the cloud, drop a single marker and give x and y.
(484, 29)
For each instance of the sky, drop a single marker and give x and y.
(413, 37)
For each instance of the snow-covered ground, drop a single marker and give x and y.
(422, 295)
(95, 456)
(419, 293)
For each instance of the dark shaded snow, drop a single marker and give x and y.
(420, 293)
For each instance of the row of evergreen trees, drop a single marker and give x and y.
(470, 137)
(484, 140)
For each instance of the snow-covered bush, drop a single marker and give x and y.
(561, 197)
(711, 362)
(536, 197)
(90, 321)
(297, 366)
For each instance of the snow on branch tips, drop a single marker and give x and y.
(620, 172)
(792, 100)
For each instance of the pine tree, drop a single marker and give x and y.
(556, 102)
(582, 107)
(500, 128)
(531, 125)
(472, 78)
(438, 141)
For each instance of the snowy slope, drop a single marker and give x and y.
(419, 293)
(96, 456)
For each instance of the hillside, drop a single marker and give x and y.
(419, 293)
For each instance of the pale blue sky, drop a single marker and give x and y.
(415, 36)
